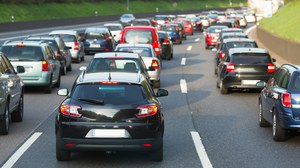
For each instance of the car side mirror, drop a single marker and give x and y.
(20, 69)
(63, 92)
(261, 84)
(162, 92)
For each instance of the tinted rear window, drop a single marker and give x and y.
(114, 65)
(116, 94)
(96, 35)
(139, 36)
(68, 38)
(250, 58)
(142, 51)
(241, 45)
(27, 53)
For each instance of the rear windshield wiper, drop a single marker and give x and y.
(94, 101)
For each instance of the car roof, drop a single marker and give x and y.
(139, 27)
(134, 45)
(116, 54)
(238, 40)
(231, 29)
(127, 77)
(247, 50)
(71, 32)
(217, 26)
(41, 38)
(96, 29)
(29, 43)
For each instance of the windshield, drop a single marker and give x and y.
(27, 53)
(116, 94)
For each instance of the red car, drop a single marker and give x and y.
(141, 35)
(212, 35)
(188, 27)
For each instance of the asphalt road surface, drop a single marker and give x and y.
(202, 127)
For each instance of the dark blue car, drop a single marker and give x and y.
(279, 102)
(98, 39)
(173, 31)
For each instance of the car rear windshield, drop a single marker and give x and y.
(169, 28)
(115, 94)
(114, 65)
(96, 35)
(251, 58)
(241, 44)
(23, 53)
(214, 30)
(162, 35)
(141, 23)
(142, 51)
(68, 38)
(139, 36)
(295, 82)
(114, 28)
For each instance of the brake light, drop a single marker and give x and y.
(109, 83)
(20, 45)
(271, 68)
(286, 100)
(230, 67)
(107, 39)
(70, 110)
(45, 66)
(221, 55)
(157, 49)
(208, 36)
(76, 47)
(166, 41)
(155, 64)
(106, 49)
(147, 110)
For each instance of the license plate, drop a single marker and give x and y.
(249, 82)
(95, 45)
(107, 133)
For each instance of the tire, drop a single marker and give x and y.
(78, 59)
(62, 155)
(261, 120)
(4, 124)
(48, 89)
(158, 154)
(82, 58)
(64, 70)
(156, 84)
(279, 134)
(57, 84)
(223, 90)
(218, 84)
(69, 68)
(206, 47)
(17, 116)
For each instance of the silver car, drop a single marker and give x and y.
(149, 57)
(72, 41)
(42, 68)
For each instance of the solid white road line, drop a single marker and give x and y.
(201, 150)
(197, 39)
(183, 86)
(183, 60)
(14, 158)
(189, 48)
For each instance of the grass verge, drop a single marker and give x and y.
(29, 12)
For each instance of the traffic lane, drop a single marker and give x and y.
(228, 124)
(179, 150)
(37, 107)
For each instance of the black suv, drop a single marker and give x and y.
(11, 89)
(110, 112)
(244, 68)
(279, 104)
(222, 48)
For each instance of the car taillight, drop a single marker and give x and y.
(106, 49)
(230, 67)
(286, 100)
(70, 110)
(166, 41)
(155, 64)
(147, 110)
(221, 55)
(76, 47)
(107, 39)
(208, 36)
(45, 65)
(271, 68)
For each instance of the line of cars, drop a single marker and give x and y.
(240, 64)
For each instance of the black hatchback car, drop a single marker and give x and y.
(279, 104)
(166, 45)
(110, 112)
(244, 68)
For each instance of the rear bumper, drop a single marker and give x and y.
(286, 119)
(234, 81)
(42, 80)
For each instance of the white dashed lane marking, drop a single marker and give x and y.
(183, 60)
(183, 86)
(189, 48)
(201, 150)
